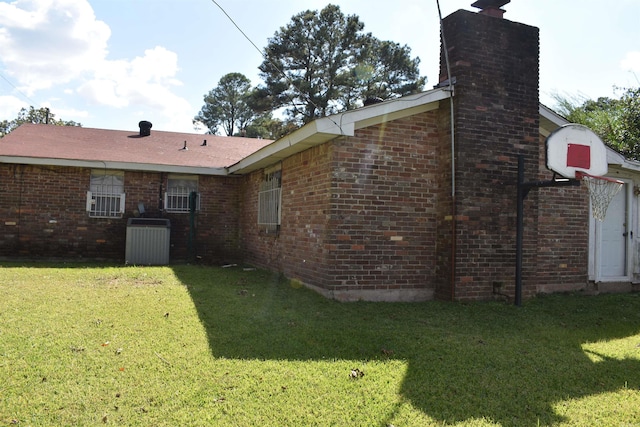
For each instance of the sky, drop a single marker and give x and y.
(111, 63)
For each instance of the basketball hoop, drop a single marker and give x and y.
(601, 190)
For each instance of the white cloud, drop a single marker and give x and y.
(10, 107)
(144, 82)
(48, 42)
(631, 62)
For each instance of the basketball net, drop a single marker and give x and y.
(601, 191)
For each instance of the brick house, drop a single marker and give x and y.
(69, 191)
(366, 204)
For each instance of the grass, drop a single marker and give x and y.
(189, 345)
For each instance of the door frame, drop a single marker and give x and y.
(595, 241)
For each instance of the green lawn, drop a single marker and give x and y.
(190, 345)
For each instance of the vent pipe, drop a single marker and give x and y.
(145, 128)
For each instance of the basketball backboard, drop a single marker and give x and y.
(576, 148)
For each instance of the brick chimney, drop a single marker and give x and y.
(496, 115)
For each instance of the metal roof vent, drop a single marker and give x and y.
(145, 128)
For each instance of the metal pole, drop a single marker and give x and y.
(519, 230)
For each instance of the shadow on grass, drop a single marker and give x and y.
(465, 361)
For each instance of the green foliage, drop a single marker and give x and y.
(383, 70)
(33, 115)
(193, 345)
(322, 63)
(616, 121)
(319, 64)
(227, 105)
(267, 127)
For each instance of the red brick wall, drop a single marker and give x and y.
(444, 209)
(298, 249)
(563, 235)
(42, 214)
(384, 203)
(495, 63)
(358, 217)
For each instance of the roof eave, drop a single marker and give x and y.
(550, 120)
(344, 124)
(146, 167)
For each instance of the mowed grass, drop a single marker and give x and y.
(191, 345)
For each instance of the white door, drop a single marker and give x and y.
(613, 239)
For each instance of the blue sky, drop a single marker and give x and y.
(111, 63)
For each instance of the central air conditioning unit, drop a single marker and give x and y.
(148, 241)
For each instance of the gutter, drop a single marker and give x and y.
(105, 164)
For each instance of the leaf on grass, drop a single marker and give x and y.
(356, 374)
(106, 343)
(163, 359)
(121, 369)
(387, 352)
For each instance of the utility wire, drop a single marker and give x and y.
(275, 66)
(18, 90)
(240, 29)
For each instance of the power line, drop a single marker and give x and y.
(238, 27)
(274, 65)
(18, 90)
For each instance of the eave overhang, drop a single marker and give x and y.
(550, 121)
(328, 128)
(100, 164)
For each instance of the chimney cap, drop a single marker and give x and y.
(491, 7)
(484, 4)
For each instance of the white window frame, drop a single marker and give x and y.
(270, 200)
(179, 188)
(106, 196)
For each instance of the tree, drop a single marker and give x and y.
(33, 115)
(322, 63)
(266, 126)
(227, 105)
(383, 70)
(616, 121)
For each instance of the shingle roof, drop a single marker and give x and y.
(47, 144)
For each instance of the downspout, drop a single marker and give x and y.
(453, 158)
